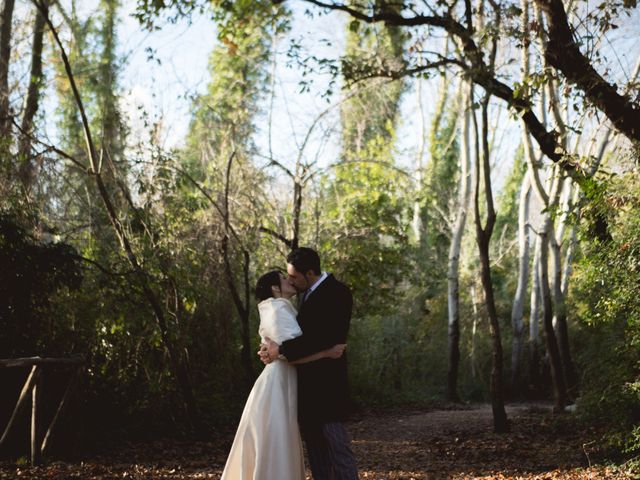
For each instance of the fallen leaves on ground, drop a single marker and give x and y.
(456, 443)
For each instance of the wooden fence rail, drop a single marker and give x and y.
(33, 385)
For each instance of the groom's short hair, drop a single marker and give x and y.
(305, 259)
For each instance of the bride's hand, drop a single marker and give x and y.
(263, 353)
(336, 351)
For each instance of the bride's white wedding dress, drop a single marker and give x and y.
(267, 445)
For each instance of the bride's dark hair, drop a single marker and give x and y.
(264, 284)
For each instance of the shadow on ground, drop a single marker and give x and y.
(455, 443)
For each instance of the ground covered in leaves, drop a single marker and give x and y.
(421, 444)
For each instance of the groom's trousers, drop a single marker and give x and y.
(329, 452)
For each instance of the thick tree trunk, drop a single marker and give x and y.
(27, 173)
(562, 271)
(534, 182)
(453, 286)
(6, 19)
(517, 310)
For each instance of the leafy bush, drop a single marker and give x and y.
(606, 298)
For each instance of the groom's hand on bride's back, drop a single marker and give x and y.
(336, 351)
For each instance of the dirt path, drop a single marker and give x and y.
(419, 445)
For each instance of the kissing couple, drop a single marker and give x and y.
(304, 388)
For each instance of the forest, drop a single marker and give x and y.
(470, 169)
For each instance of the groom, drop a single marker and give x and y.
(324, 316)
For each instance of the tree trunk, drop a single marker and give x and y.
(474, 331)
(517, 312)
(500, 422)
(557, 374)
(559, 304)
(27, 168)
(297, 210)
(534, 319)
(242, 304)
(6, 19)
(241, 307)
(453, 297)
(483, 238)
(416, 223)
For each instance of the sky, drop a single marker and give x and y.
(164, 69)
(165, 86)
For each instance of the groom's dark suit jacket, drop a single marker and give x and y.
(322, 385)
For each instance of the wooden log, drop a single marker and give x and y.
(33, 376)
(61, 407)
(36, 456)
(30, 361)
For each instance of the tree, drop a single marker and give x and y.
(366, 212)
(623, 112)
(606, 304)
(457, 231)
(6, 19)
(142, 277)
(483, 238)
(32, 101)
(222, 129)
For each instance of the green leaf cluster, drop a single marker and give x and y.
(607, 303)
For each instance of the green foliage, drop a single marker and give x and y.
(365, 232)
(174, 233)
(149, 11)
(508, 201)
(365, 237)
(394, 357)
(224, 115)
(504, 251)
(607, 303)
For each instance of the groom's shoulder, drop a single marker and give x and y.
(338, 285)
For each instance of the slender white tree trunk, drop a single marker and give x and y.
(568, 260)
(474, 330)
(517, 312)
(534, 316)
(417, 210)
(453, 292)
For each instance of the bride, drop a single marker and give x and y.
(267, 445)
